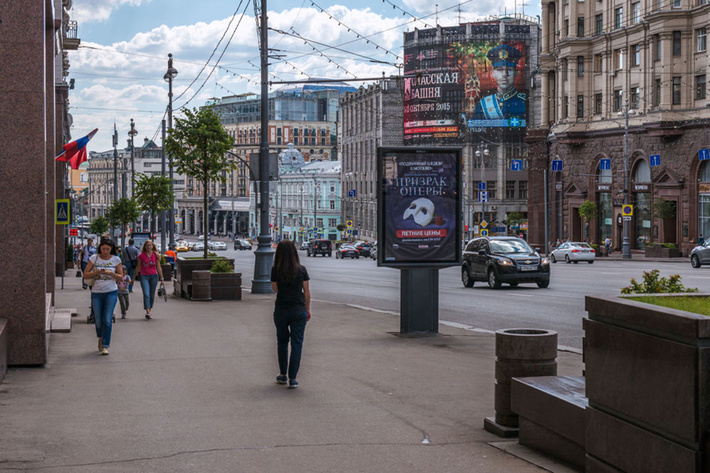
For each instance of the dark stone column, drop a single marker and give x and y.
(538, 162)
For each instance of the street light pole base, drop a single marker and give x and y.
(626, 249)
(261, 283)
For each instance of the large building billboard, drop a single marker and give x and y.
(453, 88)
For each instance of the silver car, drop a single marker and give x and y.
(700, 255)
(573, 252)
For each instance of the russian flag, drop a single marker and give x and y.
(75, 152)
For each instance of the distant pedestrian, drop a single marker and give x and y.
(123, 293)
(129, 255)
(292, 311)
(88, 251)
(607, 245)
(701, 240)
(106, 268)
(149, 270)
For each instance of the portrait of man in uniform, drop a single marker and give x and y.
(506, 102)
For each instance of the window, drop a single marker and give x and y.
(580, 106)
(565, 107)
(565, 69)
(491, 188)
(676, 43)
(566, 28)
(701, 40)
(700, 87)
(619, 18)
(580, 66)
(598, 63)
(657, 49)
(522, 189)
(634, 96)
(676, 90)
(636, 55)
(657, 92)
(319, 222)
(618, 100)
(580, 27)
(676, 3)
(332, 207)
(599, 21)
(618, 59)
(597, 104)
(510, 189)
(636, 12)
(333, 222)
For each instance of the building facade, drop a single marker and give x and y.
(625, 96)
(371, 118)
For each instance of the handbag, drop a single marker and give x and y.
(78, 273)
(90, 281)
(162, 292)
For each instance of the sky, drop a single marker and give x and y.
(119, 67)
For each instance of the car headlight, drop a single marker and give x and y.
(505, 262)
(544, 261)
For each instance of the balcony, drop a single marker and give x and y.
(71, 40)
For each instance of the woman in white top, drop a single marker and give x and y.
(106, 268)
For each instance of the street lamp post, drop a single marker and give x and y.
(316, 189)
(132, 134)
(626, 245)
(169, 76)
(483, 154)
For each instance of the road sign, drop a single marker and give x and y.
(627, 210)
(627, 219)
(704, 154)
(484, 224)
(655, 160)
(605, 164)
(484, 232)
(516, 165)
(61, 212)
(349, 223)
(556, 165)
(481, 186)
(349, 231)
(483, 196)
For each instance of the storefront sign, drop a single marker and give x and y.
(641, 187)
(603, 187)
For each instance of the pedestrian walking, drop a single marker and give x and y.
(130, 260)
(106, 268)
(149, 271)
(123, 292)
(607, 245)
(88, 251)
(289, 280)
(701, 240)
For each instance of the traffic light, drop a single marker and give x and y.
(466, 227)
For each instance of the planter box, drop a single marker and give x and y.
(167, 271)
(648, 385)
(183, 273)
(658, 251)
(226, 286)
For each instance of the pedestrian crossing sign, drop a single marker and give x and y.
(61, 212)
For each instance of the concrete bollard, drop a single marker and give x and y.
(520, 353)
(201, 285)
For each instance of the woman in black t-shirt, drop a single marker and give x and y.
(293, 309)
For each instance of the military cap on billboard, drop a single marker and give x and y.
(504, 55)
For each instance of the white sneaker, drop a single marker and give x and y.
(104, 351)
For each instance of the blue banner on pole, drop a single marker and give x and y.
(556, 165)
(655, 159)
(481, 186)
(605, 164)
(704, 154)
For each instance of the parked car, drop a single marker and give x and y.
(181, 246)
(198, 246)
(219, 246)
(700, 255)
(373, 252)
(322, 247)
(363, 248)
(503, 260)
(573, 252)
(304, 245)
(347, 251)
(242, 245)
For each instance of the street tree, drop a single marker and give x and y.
(513, 219)
(121, 213)
(588, 211)
(153, 194)
(198, 144)
(99, 225)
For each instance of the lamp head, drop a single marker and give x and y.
(172, 72)
(132, 132)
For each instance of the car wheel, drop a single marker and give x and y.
(465, 278)
(695, 261)
(567, 259)
(493, 281)
(543, 283)
(514, 284)
(590, 262)
(552, 258)
(330, 254)
(575, 262)
(357, 256)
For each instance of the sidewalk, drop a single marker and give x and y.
(193, 391)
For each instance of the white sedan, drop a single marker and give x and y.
(573, 252)
(218, 245)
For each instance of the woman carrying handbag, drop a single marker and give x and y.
(105, 269)
(149, 271)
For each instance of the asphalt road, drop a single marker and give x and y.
(559, 307)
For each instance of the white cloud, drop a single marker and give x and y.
(87, 11)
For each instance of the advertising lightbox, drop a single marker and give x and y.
(419, 219)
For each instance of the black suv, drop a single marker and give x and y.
(503, 260)
(322, 247)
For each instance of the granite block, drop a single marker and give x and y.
(3, 348)
(541, 438)
(632, 449)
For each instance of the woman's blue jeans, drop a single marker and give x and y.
(148, 285)
(290, 324)
(103, 304)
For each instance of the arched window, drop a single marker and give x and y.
(704, 199)
(642, 172)
(642, 205)
(704, 172)
(84, 177)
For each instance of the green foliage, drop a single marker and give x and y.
(99, 225)
(695, 304)
(588, 210)
(513, 219)
(163, 260)
(654, 284)
(671, 246)
(198, 145)
(341, 227)
(122, 212)
(153, 194)
(662, 208)
(222, 266)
